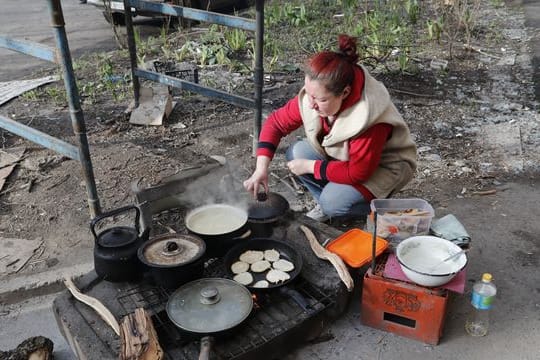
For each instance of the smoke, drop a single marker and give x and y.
(220, 186)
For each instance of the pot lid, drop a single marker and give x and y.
(172, 250)
(117, 236)
(209, 305)
(267, 207)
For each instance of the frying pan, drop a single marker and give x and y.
(209, 307)
(285, 250)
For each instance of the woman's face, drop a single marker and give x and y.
(323, 101)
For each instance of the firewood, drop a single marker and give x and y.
(139, 338)
(33, 348)
(95, 304)
(334, 259)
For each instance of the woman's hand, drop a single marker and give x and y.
(259, 177)
(301, 166)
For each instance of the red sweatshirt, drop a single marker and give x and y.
(364, 150)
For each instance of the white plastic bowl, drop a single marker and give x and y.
(420, 259)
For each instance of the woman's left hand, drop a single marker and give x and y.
(301, 166)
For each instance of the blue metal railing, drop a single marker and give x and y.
(29, 48)
(256, 26)
(61, 55)
(194, 14)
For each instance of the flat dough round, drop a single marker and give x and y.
(260, 266)
(251, 256)
(277, 276)
(244, 278)
(239, 267)
(261, 284)
(271, 255)
(283, 265)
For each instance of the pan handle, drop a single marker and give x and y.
(206, 345)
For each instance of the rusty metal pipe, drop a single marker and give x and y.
(76, 114)
(258, 72)
(132, 53)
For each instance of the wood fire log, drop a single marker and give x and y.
(139, 338)
(94, 303)
(334, 259)
(34, 348)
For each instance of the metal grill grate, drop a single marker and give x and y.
(274, 314)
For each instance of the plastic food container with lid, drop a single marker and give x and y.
(355, 247)
(399, 219)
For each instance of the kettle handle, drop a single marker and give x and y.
(104, 215)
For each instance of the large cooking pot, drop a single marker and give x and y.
(115, 250)
(264, 212)
(209, 307)
(173, 259)
(221, 226)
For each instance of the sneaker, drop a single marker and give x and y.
(317, 214)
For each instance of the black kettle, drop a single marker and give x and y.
(115, 250)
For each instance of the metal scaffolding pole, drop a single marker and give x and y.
(61, 55)
(76, 114)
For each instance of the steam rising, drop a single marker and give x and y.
(220, 186)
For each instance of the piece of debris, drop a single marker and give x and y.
(179, 125)
(468, 47)
(222, 160)
(42, 163)
(437, 64)
(509, 60)
(4, 173)
(58, 182)
(485, 192)
(8, 160)
(155, 105)
(33, 348)
(12, 89)
(16, 253)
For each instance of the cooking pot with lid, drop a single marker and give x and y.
(115, 250)
(173, 259)
(265, 211)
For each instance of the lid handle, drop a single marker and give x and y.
(210, 295)
(171, 248)
(262, 196)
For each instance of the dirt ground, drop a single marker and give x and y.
(476, 127)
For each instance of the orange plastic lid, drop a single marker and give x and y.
(355, 247)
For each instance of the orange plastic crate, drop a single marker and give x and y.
(403, 308)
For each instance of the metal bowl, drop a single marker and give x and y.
(420, 258)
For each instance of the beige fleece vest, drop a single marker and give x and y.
(398, 160)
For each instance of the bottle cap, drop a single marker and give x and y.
(487, 277)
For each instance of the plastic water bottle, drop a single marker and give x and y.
(483, 294)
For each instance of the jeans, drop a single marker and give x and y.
(336, 200)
